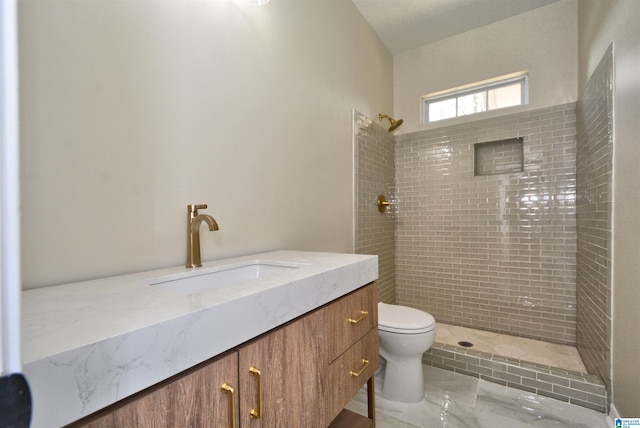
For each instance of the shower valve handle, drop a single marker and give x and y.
(383, 204)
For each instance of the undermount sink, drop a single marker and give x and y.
(215, 278)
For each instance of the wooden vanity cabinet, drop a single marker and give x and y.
(301, 374)
(351, 318)
(292, 369)
(352, 349)
(193, 398)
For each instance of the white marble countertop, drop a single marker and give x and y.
(89, 344)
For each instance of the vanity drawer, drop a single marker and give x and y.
(349, 372)
(350, 318)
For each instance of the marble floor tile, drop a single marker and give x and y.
(532, 408)
(444, 385)
(453, 400)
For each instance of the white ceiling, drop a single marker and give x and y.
(408, 24)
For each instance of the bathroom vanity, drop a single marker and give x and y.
(290, 348)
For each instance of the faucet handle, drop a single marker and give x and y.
(194, 208)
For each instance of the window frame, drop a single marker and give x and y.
(482, 87)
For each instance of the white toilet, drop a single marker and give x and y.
(405, 334)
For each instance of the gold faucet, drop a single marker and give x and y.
(193, 233)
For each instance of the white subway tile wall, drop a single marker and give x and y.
(594, 169)
(494, 252)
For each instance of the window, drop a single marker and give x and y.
(506, 91)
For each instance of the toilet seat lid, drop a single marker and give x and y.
(395, 318)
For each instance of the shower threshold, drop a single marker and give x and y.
(551, 370)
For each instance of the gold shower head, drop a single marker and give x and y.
(394, 123)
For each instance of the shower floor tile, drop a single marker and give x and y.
(535, 351)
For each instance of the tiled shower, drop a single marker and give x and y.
(594, 171)
(375, 176)
(491, 239)
(495, 251)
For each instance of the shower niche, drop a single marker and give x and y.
(499, 157)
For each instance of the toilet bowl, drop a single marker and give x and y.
(405, 334)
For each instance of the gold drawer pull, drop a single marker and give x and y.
(365, 364)
(227, 389)
(257, 413)
(363, 315)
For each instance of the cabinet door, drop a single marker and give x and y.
(351, 370)
(350, 318)
(192, 399)
(289, 390)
